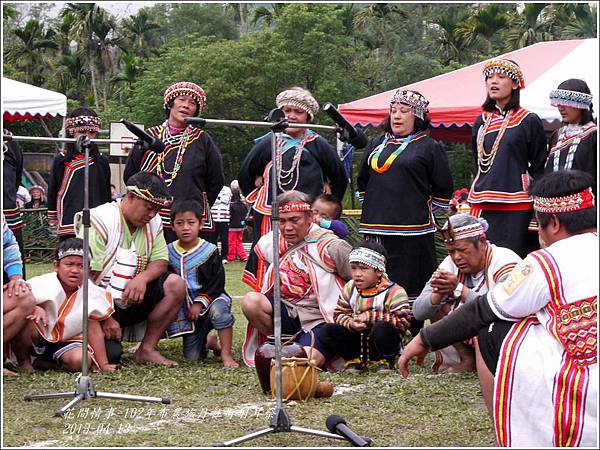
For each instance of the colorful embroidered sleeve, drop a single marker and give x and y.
(343, 313)
(53, 186)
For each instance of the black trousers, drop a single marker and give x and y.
(381, 341)
(221, 232)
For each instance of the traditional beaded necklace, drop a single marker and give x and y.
(390, 139)
(286, 176)
(569, 136)
(183, 140)
(485, 159)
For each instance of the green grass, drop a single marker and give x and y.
(212, 405)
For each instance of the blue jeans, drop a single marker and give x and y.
(217, 317)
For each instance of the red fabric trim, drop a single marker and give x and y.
(502, 206)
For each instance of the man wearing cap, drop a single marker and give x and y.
(473, 267)
(306, 162)
(313, 268)
(538, 330)
(129, 258)
(191, 164)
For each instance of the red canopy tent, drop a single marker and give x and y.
(456, 97)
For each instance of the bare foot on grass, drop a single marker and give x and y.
(229, 362)
(144, 356)
(109, 367)
(8, 373)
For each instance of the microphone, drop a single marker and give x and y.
(275, 115)
(153, 144)
(337, 425)
(350, 134)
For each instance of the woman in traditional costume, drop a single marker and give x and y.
(509, 147)
(190, 164)
(403, 176)
(306, 162)
(65, 190)
(574, 145)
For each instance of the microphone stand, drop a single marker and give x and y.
(84, 388)
(280, 420)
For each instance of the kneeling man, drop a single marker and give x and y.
(129, 258)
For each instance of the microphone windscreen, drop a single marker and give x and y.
(332, 422)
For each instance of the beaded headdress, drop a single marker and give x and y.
(508, 68)
(568, 203)
(63, 253)
(294, 207)
(415, 100)
(81, 124)
(300, 98)
(368, 257)
(186, 88)
(149, 196)
(450, 234)
(574, 99)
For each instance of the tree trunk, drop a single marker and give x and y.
(94, 90)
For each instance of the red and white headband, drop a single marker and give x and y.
(294, 207)
(568, 203)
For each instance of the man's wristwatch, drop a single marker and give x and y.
(458, 290)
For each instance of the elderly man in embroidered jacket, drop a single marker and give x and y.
(473, 267)
(537, 331)
(313, 269)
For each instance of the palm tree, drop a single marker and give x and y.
(108, 43)
(573, 20)
(86, 19)
(241, 15)
(131, 67)
(529, 27)
(71, 74)
(379, 23)
(138, 29)
(266, 14)
(447, 44)
(481, 26)
(33, 41)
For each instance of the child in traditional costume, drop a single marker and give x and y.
(327, 210)
(371, 316)
(207, 305)
(56, 321)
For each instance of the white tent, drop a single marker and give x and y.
(22, 101)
